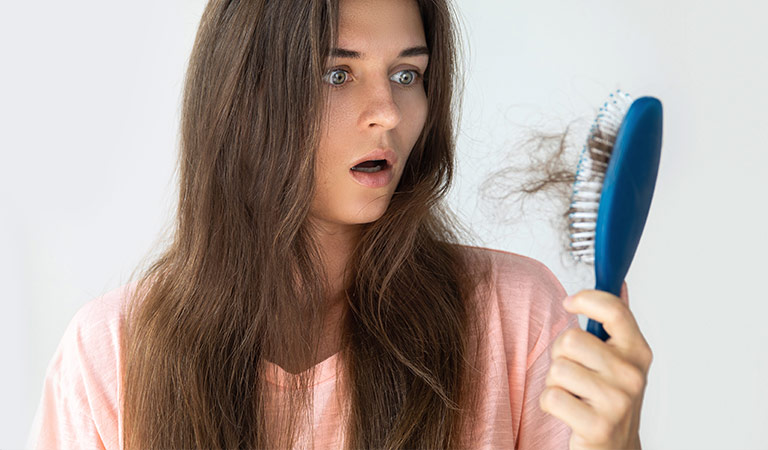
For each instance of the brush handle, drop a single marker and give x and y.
(626, 197)
(596, 328)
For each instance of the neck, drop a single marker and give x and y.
(336, 244)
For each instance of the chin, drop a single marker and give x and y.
(370, 217)
(370, 213)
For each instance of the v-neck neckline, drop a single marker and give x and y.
(325, 370)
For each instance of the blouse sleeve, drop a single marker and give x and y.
(78, 406)
(62, 420)
(532, 317)
(539, 429)
(547, 320)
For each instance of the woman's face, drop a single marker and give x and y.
(376, 100)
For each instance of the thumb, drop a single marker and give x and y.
(625, 294)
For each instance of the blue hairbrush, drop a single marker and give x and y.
(614, 185)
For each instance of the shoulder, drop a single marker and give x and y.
(87, 358)
(95, 328)
(525, 300)
(81, 390)
(513, 273)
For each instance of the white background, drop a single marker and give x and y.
(89, 110)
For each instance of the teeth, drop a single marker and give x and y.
(371, 166)
(368, 169)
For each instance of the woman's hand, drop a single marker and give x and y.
(597, 387)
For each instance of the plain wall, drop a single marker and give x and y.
(89, 110)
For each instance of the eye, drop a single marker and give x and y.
(408, 79)
(335, 75)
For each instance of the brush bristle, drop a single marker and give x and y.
(593, 163)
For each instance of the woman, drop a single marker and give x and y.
(305, 302)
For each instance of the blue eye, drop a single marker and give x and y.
(409, 78)
(329, 77)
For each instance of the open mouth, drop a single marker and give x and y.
(374, 173)
(372, 166)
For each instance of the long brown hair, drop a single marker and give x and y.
(242, 268)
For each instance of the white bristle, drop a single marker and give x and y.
(584, 206)
(599, 151)
(587, 184)
(587, 195)
(584, 254)
(583, 215)
(584, 225)
(583, 235)
(585, 198)
(582, 244)
(587, 259)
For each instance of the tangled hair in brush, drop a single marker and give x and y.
(548, 171)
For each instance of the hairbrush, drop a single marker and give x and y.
(612, 193)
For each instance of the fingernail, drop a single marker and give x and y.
(568, 300)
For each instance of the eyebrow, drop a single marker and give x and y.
(413, 51)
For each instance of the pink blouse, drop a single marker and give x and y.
(78, 408)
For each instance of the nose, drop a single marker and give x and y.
(379, 107)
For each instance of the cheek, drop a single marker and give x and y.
(415, 115)
(338, 120)
(335, 126)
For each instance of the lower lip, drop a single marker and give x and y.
(375, 179)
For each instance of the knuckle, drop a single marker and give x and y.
(557, 369)
(621, 401)
(616, 313)
(556, 347)
(647, 355)
(569, 339)
(636, 382)
(546, 399)
(632, 378)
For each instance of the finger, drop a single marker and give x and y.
(587, 349)
(573, 412)
(609, 396)
(622, 372)
(574, 378)
(608, 309)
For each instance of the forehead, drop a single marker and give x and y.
(379, 26)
